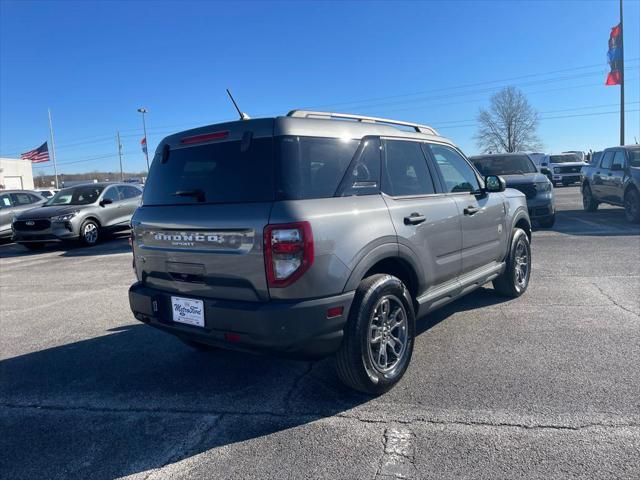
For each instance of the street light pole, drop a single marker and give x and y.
(143, 110)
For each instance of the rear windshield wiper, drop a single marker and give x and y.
(196, 193)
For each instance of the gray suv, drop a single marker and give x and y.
(81, 213)
(319, 234)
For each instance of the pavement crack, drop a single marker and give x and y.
(613, 301)
(296, 384)
(189, 444)
(398, 459)
(311, 416)
(478, 423)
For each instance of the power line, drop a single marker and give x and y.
(94, 139)
(474, 123)
(465, 85)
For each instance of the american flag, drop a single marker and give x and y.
(39, 155)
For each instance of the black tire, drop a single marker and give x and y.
(632, 206)
(355, 363)
(89, 233)
(589, 203)
(514, 281)
(33, 245)
(547, 222)
(201, 347)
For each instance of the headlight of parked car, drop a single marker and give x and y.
(556, 170)
(543, 186)
(65, 217)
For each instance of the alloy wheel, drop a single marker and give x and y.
(388, 335)
(521, 264)
(90, 233)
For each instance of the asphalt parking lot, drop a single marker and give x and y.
(545, 386)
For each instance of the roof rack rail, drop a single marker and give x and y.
(361, 118)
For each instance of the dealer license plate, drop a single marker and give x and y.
(188, 310)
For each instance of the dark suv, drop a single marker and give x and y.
(614, 178)
(319, 233)
(520, 173)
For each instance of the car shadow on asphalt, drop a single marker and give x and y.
(609, 222)
(111, 244)
(128, 401)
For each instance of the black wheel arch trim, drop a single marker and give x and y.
(520, 215)
(379, 253)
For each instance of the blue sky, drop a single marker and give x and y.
(95, 63)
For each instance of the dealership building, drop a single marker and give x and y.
(16, 174)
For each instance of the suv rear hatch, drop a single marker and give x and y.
(205, 206)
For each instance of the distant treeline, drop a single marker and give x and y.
(41, 181)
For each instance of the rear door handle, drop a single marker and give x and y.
(471, 210)
(414, 219)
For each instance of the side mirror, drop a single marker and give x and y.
(616, 167)
(546, 171)
(544, 164)
(494, 183)
(105, 201)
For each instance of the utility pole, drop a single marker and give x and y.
(53, 149)
(621, 78)
(143, 110)
(120, 154)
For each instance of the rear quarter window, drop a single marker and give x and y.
(312, 167)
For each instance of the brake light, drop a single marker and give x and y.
(204, 137)
(288, 252)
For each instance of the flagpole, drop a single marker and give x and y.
(120, 155)
(53, 149)
(621, 78)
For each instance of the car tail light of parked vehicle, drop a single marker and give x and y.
(288, 252)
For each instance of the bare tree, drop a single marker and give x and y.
(509, 125)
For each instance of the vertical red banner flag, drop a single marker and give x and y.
(614, 56)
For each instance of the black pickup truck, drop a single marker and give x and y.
(614, 179)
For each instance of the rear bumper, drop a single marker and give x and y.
(299, 328)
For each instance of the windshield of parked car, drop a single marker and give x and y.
(565, 158)
(634, 157)
(85, 195)
(504, 165)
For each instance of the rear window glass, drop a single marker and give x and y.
(312, 167)
(225, 172)
(504, 165)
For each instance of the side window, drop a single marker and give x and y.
(21, 199)
(457, 174)
(5, 201)
(363, 175)
(607, 160)
(405, 169)
(618, 159)
(34, 199)
(129, 192)
(111, 194)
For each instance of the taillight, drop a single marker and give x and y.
(288, 252)
(204, 137)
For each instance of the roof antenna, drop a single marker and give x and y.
(243, 116)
